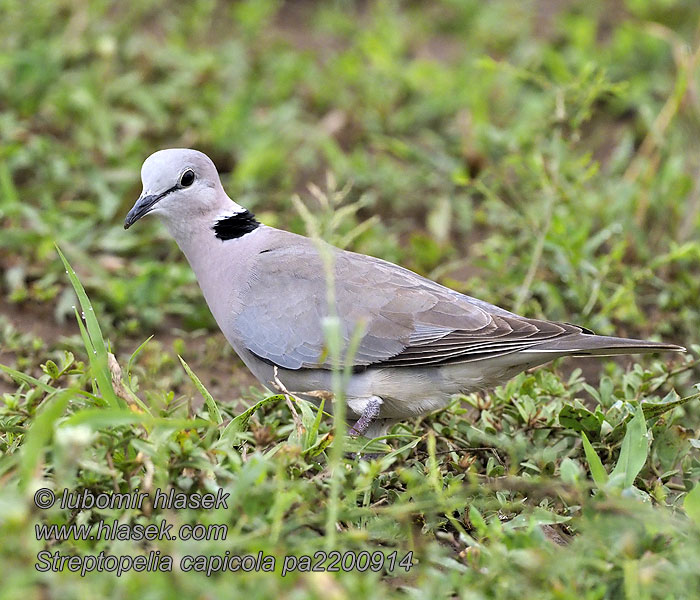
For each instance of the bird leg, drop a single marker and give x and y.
(369, 414)
(288, 398)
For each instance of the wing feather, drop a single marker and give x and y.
(407, 320)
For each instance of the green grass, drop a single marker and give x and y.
(540, 155)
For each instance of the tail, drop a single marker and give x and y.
(585, 344)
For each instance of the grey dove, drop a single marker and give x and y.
(421, 344)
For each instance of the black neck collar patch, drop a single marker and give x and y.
(236, 225)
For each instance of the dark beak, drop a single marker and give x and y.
(142, 207)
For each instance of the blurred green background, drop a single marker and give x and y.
(541, 155)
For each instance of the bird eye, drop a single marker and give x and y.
(187, 178)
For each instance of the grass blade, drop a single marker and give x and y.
(132, 358)
(656, 409)
(40, 433)
(28, 379)
(98, 418)
(214, 413)
(94, 342)
(240, 423)
(312, 432)
(103, 418)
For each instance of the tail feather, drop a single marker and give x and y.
(584, 344)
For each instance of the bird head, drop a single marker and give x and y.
(179, 185)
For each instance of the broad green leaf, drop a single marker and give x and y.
(51, 369)
(477, 520)
(539, 516)
(598, 472)
(579, 418)
(634, 450)
(691, 504)
(569, 471)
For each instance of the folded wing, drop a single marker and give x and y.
(406, 320)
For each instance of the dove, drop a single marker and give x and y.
(420, 342)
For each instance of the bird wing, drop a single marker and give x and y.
(406, 319)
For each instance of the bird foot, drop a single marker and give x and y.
(369, 414)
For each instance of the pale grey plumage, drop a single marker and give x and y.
(408, 320)
(266, 288)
